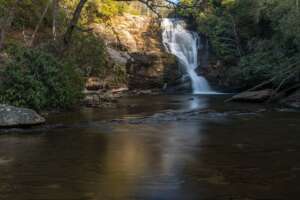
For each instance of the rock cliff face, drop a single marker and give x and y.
(134, 42)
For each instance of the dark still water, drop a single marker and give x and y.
(228, 152)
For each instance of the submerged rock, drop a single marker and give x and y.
(101, 98)
(11, 116)
(171, 116)
(190, 115)
(94, 83)
(254, 96)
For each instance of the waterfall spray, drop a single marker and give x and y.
(184, 45)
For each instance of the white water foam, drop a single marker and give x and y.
(184, 45)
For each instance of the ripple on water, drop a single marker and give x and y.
(4, 160)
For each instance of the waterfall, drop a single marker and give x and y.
(184, 45)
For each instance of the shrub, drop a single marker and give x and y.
(256, 40)
(87, 51)
(35, 79)
(268, 61)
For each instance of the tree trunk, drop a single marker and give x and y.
(236, 36)
(2, 35)
(55, 7)
(73, 22)
(39, 23)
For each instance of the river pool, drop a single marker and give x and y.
(230, 151)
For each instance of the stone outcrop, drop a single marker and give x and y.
(152, 70)
(11, 116)
(254, 96)
(134, 42)
(219, 75)
(99, 99)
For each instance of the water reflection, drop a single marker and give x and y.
(101, 162)
(198, 102)
(144, 160)
(190, 159)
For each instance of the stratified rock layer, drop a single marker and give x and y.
(134, 42)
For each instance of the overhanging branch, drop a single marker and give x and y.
(169, 4)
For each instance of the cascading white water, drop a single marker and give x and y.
(184, 45)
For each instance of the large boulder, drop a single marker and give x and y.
(152, 69)
(118, 57)
(220, 77)
(254, 96)
(11, 116)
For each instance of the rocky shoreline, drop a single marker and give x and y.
(11, 116)
(97, 97)
(287, 99)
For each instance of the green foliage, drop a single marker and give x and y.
(5, 7)
(104, 8)
(37, 80)
(119, 74)
(222, 37)
(98, 11)
(256, 39)
(259, 65)
(88, 53)
(28, 12)
(49, 74)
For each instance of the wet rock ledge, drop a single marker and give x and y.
(11, 116)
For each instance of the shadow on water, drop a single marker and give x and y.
(245, 157)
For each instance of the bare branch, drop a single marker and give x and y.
(39, 23)
(55, 7)
(153, 5)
